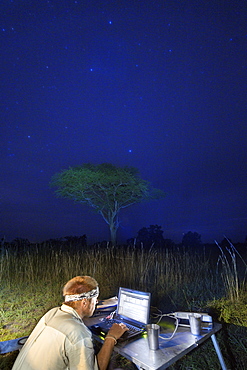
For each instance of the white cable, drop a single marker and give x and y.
(172, 316)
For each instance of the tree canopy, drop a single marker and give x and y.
(106, 188)
(192, 239)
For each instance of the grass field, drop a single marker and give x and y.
(210, 280)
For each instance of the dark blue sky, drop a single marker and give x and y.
(159, 85)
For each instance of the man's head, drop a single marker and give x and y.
(81, 293)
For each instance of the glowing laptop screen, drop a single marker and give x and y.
(134, 305)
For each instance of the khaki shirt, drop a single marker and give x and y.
(60, 341)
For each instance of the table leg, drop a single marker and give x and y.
(218, 351)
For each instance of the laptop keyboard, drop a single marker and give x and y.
(132, 330)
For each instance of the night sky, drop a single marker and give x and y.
(158, 85)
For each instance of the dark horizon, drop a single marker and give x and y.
(63, 238)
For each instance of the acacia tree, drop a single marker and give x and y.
(106, 188)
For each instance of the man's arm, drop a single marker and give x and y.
(105, 352)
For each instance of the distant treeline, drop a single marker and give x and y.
(147, 237)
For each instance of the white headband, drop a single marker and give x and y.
(77, 297)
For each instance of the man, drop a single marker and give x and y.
(61, 341)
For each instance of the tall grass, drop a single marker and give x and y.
(178, 278)
(229, 271)
(166, 273)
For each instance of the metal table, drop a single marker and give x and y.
(169, 351)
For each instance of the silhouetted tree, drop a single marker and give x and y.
(150, 235)
(106, 188)
(77, 240)
(192, 239)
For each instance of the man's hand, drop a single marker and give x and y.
(117, 330)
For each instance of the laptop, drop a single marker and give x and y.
(133, 309)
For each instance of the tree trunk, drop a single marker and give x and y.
(113, 230)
